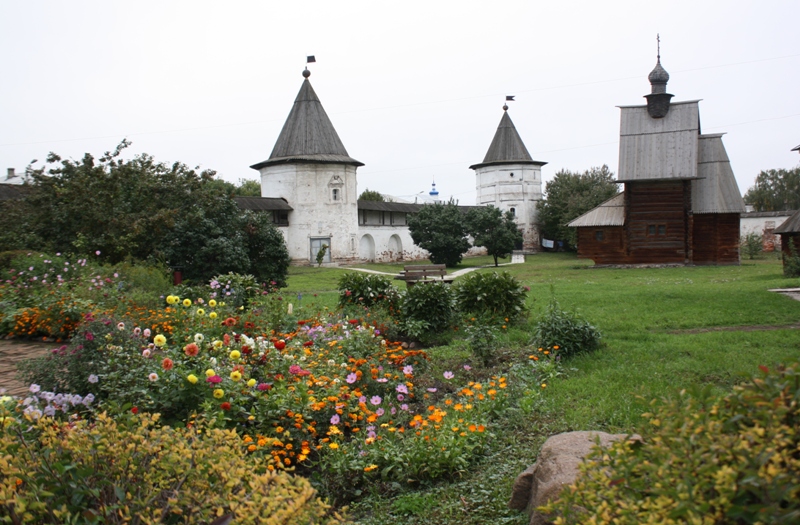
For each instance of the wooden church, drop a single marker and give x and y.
(680, 203)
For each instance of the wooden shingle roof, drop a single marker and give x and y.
(506, 147)
(715, 189)
(308, 135)
(262, 204)
(609, 213)
(791, 225)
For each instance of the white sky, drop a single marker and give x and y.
(414, 89)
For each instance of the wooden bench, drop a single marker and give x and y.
(424, 273)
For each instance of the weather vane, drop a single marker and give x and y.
(658, 44)
(309, 60)
(509, 98)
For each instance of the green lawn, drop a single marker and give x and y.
(664, 329)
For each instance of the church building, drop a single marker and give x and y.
(681, 203)
(309, 185)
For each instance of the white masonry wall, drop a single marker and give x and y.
(325, 209)
(517, 186)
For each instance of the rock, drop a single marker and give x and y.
(556, 468)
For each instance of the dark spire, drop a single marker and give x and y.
(658, 99)
(308, 134)
(507, 146)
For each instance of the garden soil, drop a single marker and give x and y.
(11, 352)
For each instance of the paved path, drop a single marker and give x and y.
(12, 351)
(457, 273)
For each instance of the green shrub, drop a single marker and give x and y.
(427, 310)
(751, 245)
(791, 261)
(235, 289)
(132, 471)
(364, 289)
(703, 459)
(481, 340)
(565, 332)
(497, 295)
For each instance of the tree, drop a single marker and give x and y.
(248, 188)
(494, 230)
(570, 195)
(440, 229)
(775, 190)
(142, 209)
(371, 195)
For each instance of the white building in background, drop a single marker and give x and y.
(309, 185)
(509, 179)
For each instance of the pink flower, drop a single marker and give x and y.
(408, 370)
(449, 375)
(467, 368)
(335, 419)
(214, 379)
(403, 389)
(264, 386)
(351, 378)
(295, 369)
(375, 400)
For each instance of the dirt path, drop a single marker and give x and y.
(11, 352)
(744, 328)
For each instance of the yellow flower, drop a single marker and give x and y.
(187, 302)
(172, 299)
(212, 303)
(218, 393)
(236, 375)
(334, 446)
(210, 372)
(217, 344)
(200, 311)
(213, 315)
(251, 382)
(370, 468)
(160, 340)
(191, 378)
(235, 354)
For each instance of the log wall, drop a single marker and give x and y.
(611, 250)
(716, 238)
(657, 222)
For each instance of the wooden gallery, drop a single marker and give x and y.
(680, 203)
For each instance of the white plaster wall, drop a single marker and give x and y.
(522, 191)
(758, 225)
(308, 188)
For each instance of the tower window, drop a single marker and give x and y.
(335, 194)
(513, 211)
(512, 174)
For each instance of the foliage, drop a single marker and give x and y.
(321, 254)
(248, 188)
(751, 245)
(440, 229)
(482, 340)
(428, 306)
(570, 195)
(494, 230)
(365, 289)
(791, 261)
(236, 289)
(703, 459)
(141, 209)
(371, 195)
(565, 332)
(495, 295)
(775, 190)
(132, 470)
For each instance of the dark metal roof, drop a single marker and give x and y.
(308, 135)
(758, 214)
(796, 148)
(262, 203)
(791, 225)
(404, 207)
(507, 147)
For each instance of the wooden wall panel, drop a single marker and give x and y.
(611, 250)
(665, 206)
(716, 238)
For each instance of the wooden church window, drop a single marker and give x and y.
(656, 229)
(598, 235)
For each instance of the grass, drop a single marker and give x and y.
(664, 329)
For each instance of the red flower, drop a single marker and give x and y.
(249, 326)
(191, 349)
(301, 323)
(214, 379)
(225, 406)
(226, 339)
(353, 321)
(230, 321)
(135, 410)
(280, 345)
(264, 386)
(308, 343)
(246, 349)
(167, 364)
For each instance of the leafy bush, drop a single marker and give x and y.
(791, 261)
(131, 470)
(751, 245)
(364, 289)
(235, 289)
(427, 309)
(481, 340)
(702, 460)
(497, 295)
(565, 332)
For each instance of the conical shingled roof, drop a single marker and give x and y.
(507, 147)
(308, 135)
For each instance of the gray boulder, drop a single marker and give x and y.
(556, 468)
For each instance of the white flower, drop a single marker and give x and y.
(146, 352)
(198, 338)
(34, 388)
(153, 376)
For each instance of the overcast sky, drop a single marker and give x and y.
(414, 89)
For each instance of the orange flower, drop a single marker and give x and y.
(191, 350)
(167, 364)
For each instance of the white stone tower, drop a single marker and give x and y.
(310, 169)
(509, 179)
